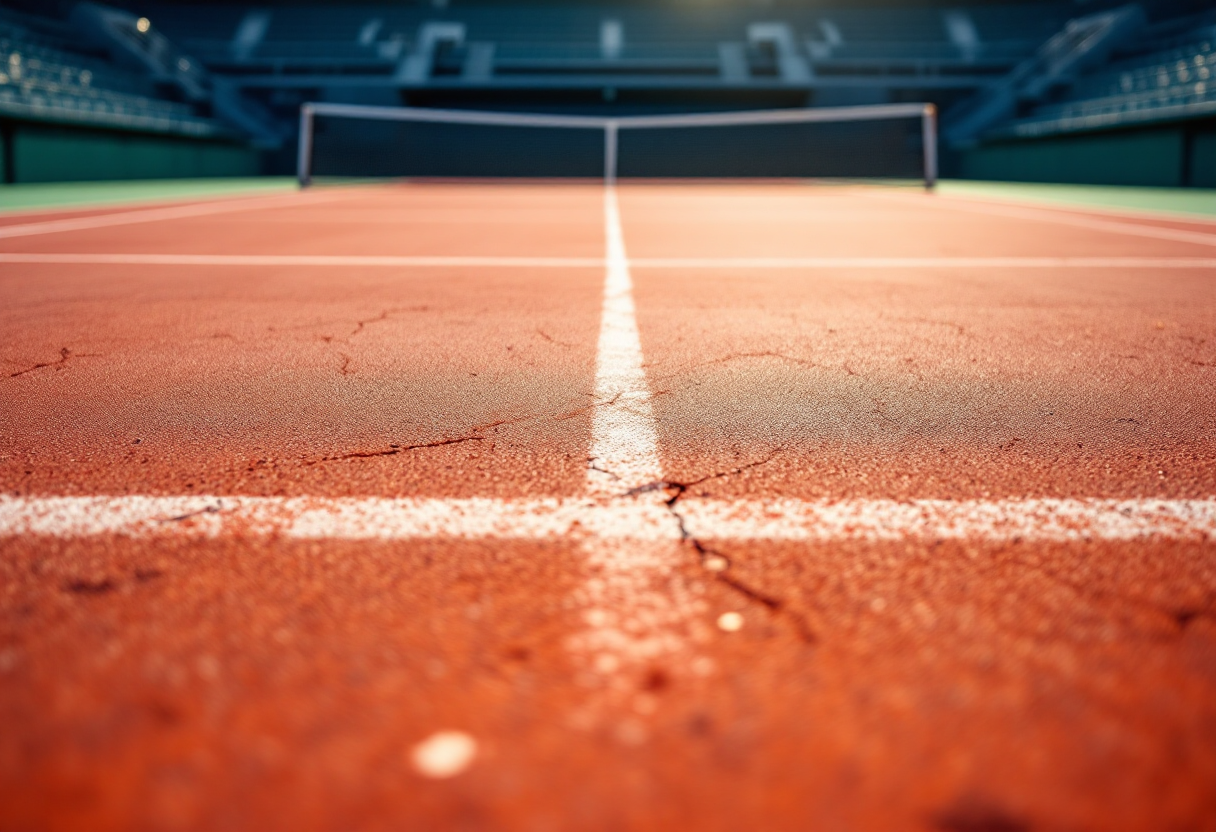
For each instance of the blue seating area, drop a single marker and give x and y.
(41, 79)
(275, 56)
(374, 38)
(925, 34)
(318, 38)
(944, 54)
(1141, 85)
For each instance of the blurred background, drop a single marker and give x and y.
(1067, 91)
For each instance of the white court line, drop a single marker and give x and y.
(634, 605)
(1114, 212)
(631, 521)
(21, 214)
(624, 442)
(304, 260)
(442, 261)
(194, 209)
(1045, 214)
(926, 263)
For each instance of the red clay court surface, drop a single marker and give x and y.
(546, 507)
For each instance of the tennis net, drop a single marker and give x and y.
(894, 142)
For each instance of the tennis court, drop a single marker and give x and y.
(658, 505)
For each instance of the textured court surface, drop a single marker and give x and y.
(682, 506)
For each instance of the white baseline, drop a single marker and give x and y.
(1061, 520)
(512, 262)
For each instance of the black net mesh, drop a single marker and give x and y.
(346, 146)
(885, 148)
(358, 147)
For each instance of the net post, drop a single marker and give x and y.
(610, 147)
(304, 160)
(929, 133)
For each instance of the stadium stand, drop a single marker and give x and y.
(598, 42)
(999, 72)
(1148, 82)
(43, 76)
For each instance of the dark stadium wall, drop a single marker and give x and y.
(6, 153)
(1179, 155)
(1203, 159)
(46, 153)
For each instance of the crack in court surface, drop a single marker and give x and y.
(394, 450)
(476, 434)
(715, 562)
(65, 355)
(738, 356)
(644, 616)
(642, 612)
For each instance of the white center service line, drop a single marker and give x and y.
(635, 606)
(516, 262)
(624, 440)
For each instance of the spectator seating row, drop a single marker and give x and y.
(1170, 83)
(44, 82)
(324, 35)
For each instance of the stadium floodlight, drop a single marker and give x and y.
(884, 141)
